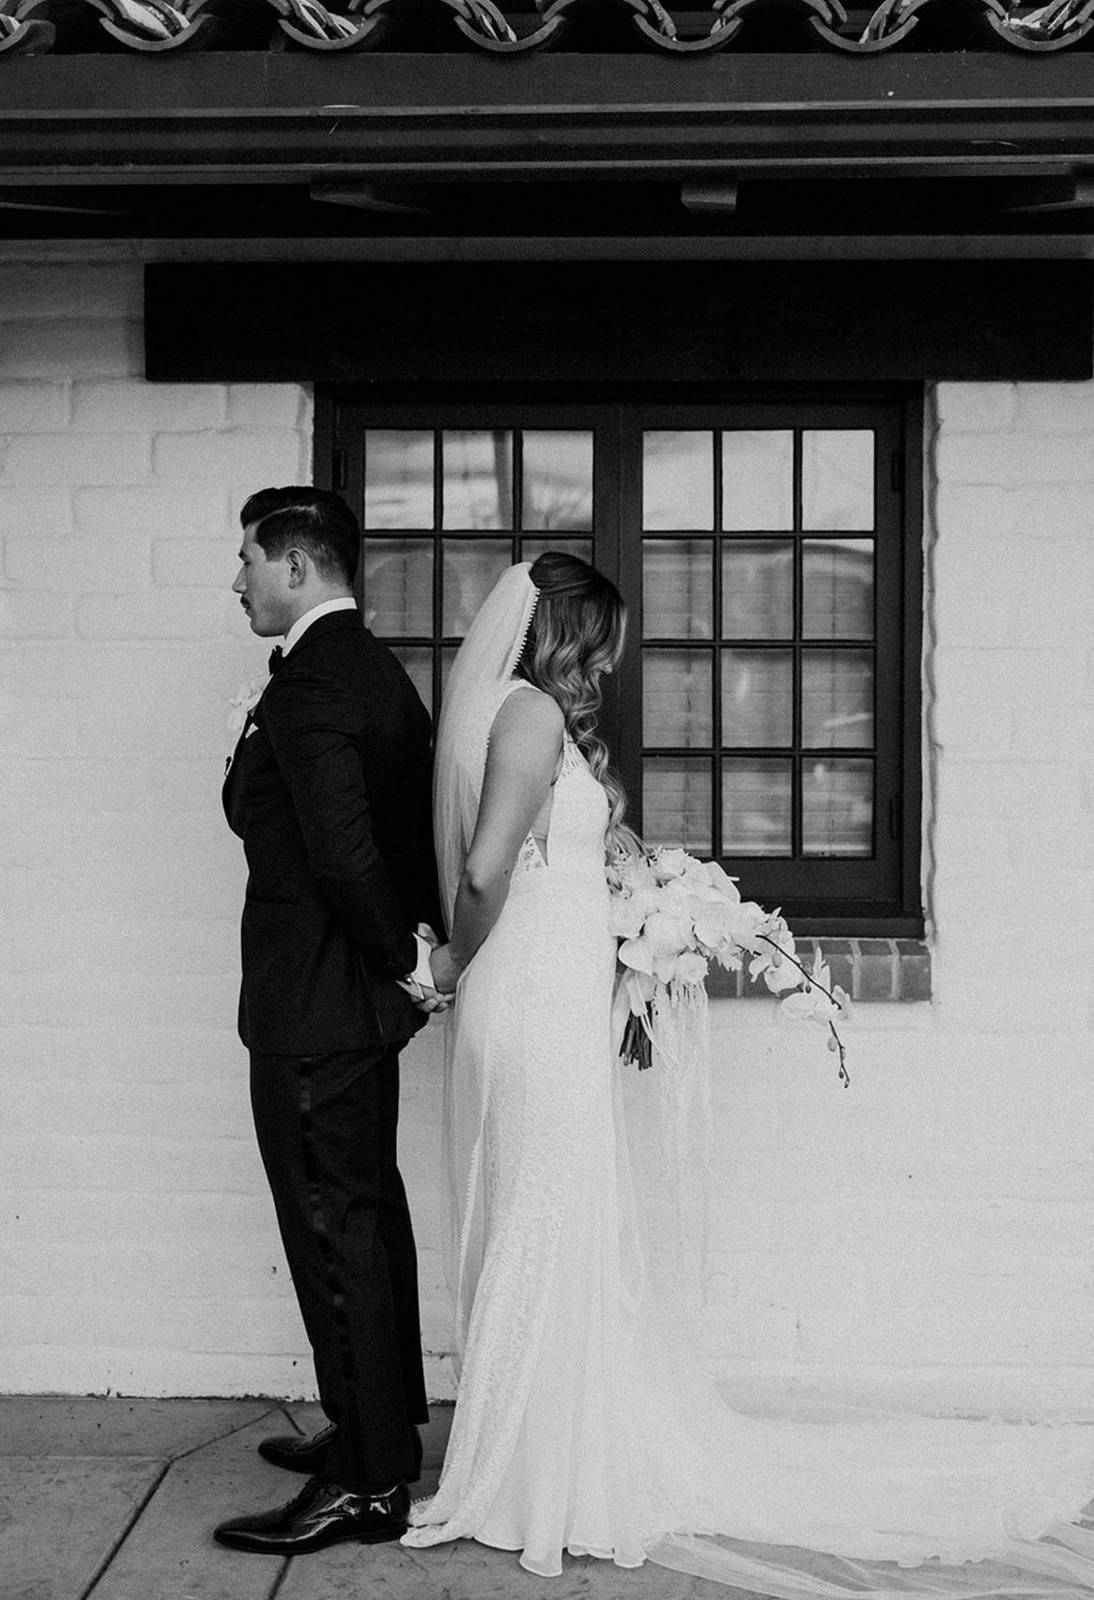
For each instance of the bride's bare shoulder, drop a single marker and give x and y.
(528, 718)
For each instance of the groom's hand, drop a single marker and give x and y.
(432, 1001)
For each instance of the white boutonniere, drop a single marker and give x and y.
(244, 701)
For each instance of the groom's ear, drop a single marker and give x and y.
(297, 561)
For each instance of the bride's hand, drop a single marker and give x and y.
(446, 971)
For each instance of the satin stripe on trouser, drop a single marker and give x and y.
(326, 1128)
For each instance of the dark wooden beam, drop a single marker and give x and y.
(259, 117)
(609, 324)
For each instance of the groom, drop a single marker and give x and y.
(329, 791)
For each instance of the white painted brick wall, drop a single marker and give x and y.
(138, 1247)
(926, 1234)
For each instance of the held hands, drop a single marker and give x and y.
(425, 996)
(440, 997)
(445, 970)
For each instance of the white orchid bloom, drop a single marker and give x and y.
(691, 969)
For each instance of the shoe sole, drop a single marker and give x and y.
(381, 1538)
(261, 1548)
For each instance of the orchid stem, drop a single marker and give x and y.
(811, 982)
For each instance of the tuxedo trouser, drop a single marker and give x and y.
(326, 1129)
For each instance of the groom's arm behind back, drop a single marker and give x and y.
(356, 762)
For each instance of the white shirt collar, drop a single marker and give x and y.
(299, 627)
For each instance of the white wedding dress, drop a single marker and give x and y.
(584, 1422)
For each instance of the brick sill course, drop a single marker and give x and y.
(869, 969)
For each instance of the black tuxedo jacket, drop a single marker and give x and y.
(329, 789)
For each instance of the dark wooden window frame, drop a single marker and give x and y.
(837, 897)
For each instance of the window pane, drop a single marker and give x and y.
(837, 698)
(677, 481)
(478, 480)
(677, 598)
(838, 589)
(756, 808)
(837, 478)
(758, 589)
(398, 586)
(471, 569)
(837, 808)
(418, 661)
(757, 697)
(676, 803)
(757, 481)
(558, 480)
(398, 479)
(531, 548)
(676, 696)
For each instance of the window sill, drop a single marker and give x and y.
(868, 969)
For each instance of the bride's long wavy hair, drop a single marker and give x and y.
(575, 636)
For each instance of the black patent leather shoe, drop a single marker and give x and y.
(296, 1453)
(322, 1514)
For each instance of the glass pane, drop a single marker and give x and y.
(757, 697)
(756, 808)
(837, 808)
(398, 586)
(838, 589)
(837, 698)
(837, 478)
(758, 589)
(418, 661)
(478, 480)
(677, 602)
(757, 481)
(471, 569)
(398, 478)
(676, 698)
(676, 803)
(677, 481)
(530, 549)
(558, 480)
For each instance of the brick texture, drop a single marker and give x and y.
(924, 1235)
(131, 1198)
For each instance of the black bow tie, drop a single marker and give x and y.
(276, 658)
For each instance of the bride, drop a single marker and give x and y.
(584, 1422)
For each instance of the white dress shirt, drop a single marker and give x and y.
(346, 602)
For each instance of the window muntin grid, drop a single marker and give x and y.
(783, 708)
(823, 806)
(445, 511)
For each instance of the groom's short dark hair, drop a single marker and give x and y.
(316, 520)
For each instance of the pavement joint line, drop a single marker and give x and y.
(131, 1522)
(279, 1581)
(216, 1437)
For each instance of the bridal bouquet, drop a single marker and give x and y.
(673, 916)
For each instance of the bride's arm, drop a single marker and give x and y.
(521, 761)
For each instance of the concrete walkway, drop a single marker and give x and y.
(116, 1500)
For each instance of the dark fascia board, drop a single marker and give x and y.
(565, 323)
(281, 118)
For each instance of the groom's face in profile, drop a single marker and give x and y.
(263, 587)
